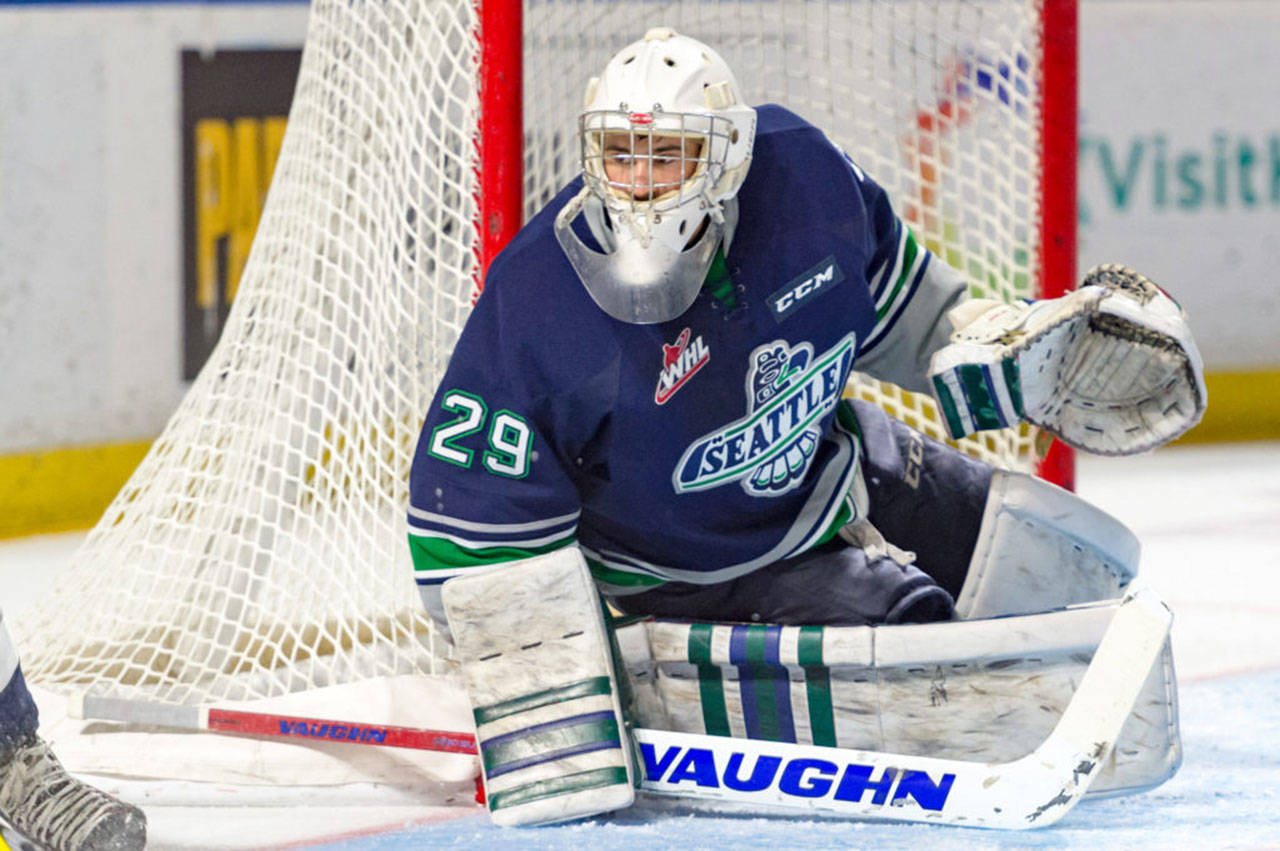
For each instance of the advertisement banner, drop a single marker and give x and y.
(1179, 165)
(234, 109)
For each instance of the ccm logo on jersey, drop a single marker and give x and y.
(810, 285)
(773, 777)
(679, 362)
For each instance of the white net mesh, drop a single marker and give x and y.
(260, 549)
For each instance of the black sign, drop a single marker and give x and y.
(234, 106)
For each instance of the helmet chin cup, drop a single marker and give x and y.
(639, 283)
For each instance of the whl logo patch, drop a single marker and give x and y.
(789, 391)
(679, 363)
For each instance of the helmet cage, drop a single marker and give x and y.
(644, 200)
(654, 198)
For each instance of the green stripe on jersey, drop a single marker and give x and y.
(908, 263)
(843, 515)
(440, 554)
(621, 578)
(718, 282)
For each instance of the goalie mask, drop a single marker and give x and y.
(665, 140)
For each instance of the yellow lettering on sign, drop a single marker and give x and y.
(272, 138)
(213, 202)
(247, 200)
(234, 164)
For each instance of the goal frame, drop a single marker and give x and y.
(1059, 142)
(258, 552)
(501, 156)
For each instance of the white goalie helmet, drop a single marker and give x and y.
(665, 140)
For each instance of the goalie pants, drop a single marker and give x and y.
(18, 719)
(925, 497)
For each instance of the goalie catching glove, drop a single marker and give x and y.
(1110, 368)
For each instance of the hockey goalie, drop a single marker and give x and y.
(650, 389)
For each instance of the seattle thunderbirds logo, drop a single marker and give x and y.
(789, 391)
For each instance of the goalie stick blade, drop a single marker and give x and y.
(747, 775)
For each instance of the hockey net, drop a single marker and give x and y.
(259, 550)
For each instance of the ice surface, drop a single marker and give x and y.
(1209, 521)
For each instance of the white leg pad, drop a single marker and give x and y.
(536, 662)
(1041, 547)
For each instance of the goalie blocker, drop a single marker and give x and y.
(537, 663)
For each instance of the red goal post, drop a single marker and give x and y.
(1059, 143)
(501, 156)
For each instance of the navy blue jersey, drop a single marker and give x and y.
(697, 449)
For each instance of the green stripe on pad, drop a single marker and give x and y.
(1013, 381)
(757, 638)
(809, 647)
(817, 680)
(584, 688)
(978, 396)
(547, 742)
(698, 649)
(765, 675)
(822, 721)
(715, 716)
(955, 426)
(594, 779)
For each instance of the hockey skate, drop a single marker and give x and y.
(42, 801)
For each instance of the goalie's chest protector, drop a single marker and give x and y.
(709, 445)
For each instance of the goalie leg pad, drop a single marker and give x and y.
(1041, 547)
(536, 661)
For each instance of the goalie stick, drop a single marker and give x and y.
(91, 707)
(755, 776)
(237, 722)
